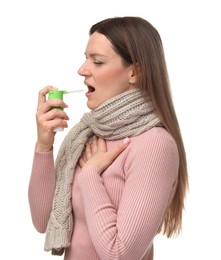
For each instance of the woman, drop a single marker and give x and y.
(121, 175)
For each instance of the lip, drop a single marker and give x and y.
(87, 83)
(88, 93)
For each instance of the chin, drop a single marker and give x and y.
(91, 106)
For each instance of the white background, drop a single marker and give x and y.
(42, 42)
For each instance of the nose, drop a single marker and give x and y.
(83, 70)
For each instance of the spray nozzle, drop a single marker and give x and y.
(58, 94)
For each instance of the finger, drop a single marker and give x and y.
(88, 151)
(94, 145)
(81, 162)
(55, 113)
(52, 119)
(101, 143)
(42, 94)
(118, 148)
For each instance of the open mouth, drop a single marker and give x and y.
(90, 89)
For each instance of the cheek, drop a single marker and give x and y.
(114, 77)
(107, 77)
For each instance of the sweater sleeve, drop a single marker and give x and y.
(41, 189)
(151, 169)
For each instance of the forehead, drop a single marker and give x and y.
(98, 43)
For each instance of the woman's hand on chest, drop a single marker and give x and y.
(97, 155)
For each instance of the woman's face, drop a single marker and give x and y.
(105, 74)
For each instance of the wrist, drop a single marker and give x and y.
(41, 148)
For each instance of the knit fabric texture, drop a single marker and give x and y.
(125, 115)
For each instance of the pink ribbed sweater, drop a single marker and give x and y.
(117, 214)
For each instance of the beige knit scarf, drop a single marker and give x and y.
(128, 114)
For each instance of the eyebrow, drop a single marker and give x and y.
(92, 55)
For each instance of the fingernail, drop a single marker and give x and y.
(126, 140)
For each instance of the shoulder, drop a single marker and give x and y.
(154, 151)
(155, 145)
(156, 135)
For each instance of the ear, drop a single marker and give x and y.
(134, 73)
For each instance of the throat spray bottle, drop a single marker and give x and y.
(58, 94)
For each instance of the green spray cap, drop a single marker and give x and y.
(56, 94)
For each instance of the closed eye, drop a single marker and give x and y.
(98, 62)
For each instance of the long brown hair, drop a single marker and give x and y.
(139, 43)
